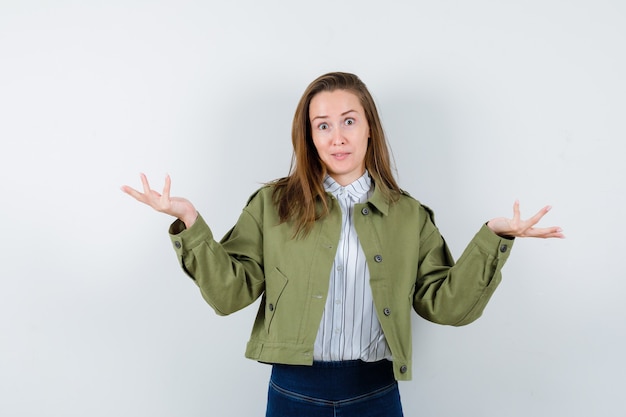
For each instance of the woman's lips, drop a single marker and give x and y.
(341, 156)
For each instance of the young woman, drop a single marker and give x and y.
(340, 255)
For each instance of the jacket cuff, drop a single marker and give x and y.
(492, 244)
(184, 239)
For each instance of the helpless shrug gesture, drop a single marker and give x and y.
(339, 255)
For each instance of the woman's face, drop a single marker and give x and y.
(340, 133)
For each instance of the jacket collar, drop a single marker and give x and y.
(379, 201)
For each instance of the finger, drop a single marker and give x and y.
(535, 219)
(144, 181)
(166, 187)
(137, 195)
(516, 212)
(551, 236)
(558, 235)
(545, 232)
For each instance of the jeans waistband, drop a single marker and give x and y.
(334, 381)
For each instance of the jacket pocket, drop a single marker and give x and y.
(275, 284)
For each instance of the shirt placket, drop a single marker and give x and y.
(340, 276)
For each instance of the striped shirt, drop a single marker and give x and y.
(350, 328)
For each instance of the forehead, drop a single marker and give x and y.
(331, 102)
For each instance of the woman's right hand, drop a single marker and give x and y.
(178, 207)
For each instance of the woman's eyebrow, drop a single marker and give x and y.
(324, 116)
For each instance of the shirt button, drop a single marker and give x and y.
(503, 248)
(387, 311)
(403, 369)
(365, 211)
(271, 307)
(177, 244)
(378, 258)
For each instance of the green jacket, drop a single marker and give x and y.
(409, 262)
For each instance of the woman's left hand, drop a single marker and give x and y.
(516, 227)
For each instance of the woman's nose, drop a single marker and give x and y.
(338, 138)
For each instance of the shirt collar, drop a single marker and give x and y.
(358, 190)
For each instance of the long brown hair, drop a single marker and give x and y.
(296, 196)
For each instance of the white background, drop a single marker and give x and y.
(483, 101)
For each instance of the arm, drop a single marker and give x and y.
(457, 293)
(229, 273)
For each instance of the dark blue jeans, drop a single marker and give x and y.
(334, 389)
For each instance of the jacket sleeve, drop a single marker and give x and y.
(457, 293)
(229, 273)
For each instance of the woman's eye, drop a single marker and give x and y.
(323, 126)
(349, 122)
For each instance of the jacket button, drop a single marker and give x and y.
(271, 307)
(365, 211)
(503, 248)
(387, 311)
(177, 244)
(403, 369)
(378, 258)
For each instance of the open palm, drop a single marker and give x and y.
(178, 207)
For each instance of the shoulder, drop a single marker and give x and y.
(407, 202)
(263, 193)
(261, 204)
